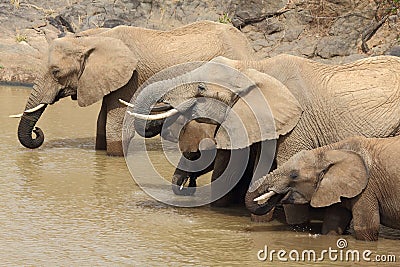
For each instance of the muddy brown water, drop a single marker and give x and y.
(66, 204)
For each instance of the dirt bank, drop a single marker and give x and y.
(327, 30)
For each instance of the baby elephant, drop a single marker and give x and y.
(361, 174)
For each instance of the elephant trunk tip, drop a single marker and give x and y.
(26, 129)
(257, 207)
(32, 143)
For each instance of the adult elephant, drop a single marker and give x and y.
(110, 64)
(312, 104)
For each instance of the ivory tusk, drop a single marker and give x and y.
(126, 103)
(264, 198)
(153, 108)
(183, 184)
(160, 116)
(35, 108)
(16, 116)
(28, 111)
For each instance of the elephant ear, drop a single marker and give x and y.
(109, 64)
(344, 175)
(264, 111)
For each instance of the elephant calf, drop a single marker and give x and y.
(360, 174)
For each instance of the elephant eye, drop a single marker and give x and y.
(55, 71)
(294, 175)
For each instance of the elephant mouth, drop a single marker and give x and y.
(265, 203)
(65, 93)
(207, 120)
(294, 197)
(161, 107)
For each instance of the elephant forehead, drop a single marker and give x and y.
(63, 46)
(177, 93)
(220, 92)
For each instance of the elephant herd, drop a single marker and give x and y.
(312, 136)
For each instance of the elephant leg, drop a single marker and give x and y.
(101, 142)
(115, 116)
(227, 170)
(252, 169)
(336, 220)
(366, 218)
(297, 214)
(221, 162)
(114, 124)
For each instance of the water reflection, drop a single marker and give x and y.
(66, 204)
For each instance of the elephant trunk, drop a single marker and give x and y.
(28, 120)
(146, 103)
(148, 129)
(260, 190)
(27, 126)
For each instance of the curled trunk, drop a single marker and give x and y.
(148, 129)
(147, 101)
(259, 188)
(28, 121)
(258, 209)
(144, 104)
(184, 182)
(27, 126)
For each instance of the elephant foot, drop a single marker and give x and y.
(179, 182)
(263, 218)
(366, 234)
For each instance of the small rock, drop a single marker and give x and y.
(273, 27)
(331, 46)
(111, 23)
(38, 23)
(393, 18)
(293, 33)
(394, 51)
(307, 46)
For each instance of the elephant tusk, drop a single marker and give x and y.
(160, 116)
(264, 198)
(28, 111)
(16, 116)
(126, 103)
(183, 184)
(35, 108)
(155, 108)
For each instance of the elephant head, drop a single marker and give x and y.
(83, 67)
(246, 103)
(320, 177)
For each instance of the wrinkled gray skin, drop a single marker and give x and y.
(109, 64)
(313, 105)
(360, 174)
